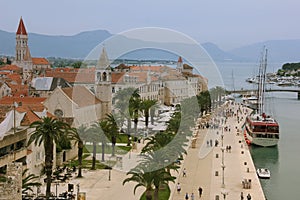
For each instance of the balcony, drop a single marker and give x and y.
(16, 155)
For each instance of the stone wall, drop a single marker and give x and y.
(12, 188)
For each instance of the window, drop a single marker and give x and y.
(58, 113)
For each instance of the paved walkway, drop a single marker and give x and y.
(203, 165)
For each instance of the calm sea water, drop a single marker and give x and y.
(283, 160)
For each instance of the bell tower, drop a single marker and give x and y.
(23, 57)
(103, 90)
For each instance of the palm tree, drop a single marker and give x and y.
(150, 179)
(48, 131)
(29, 181)
(124, 104)
(134, 108)
(146, 106)
(142, 178)
(94, 135)
(98, 130)
(76, 135)
(110, 127)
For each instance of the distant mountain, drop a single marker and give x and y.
(278, 51)
(218, 54)
(79, 46)
(76, 46)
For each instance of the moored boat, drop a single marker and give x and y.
(263, 173)
(261, 129)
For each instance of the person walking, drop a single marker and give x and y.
(200, 191)
(242, 196)
(186, 196)
(178, 188)
(192, 196)
(248, 197)
(184, 173)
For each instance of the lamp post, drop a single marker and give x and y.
(222, 137)
(224, 193)
(109, 169)
(223, 168)
(222, 149)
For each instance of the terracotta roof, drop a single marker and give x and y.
(26, 101)
(21, 29)
(10, 68)
(149, 68)
(117, 77)
(15, 77)
(29, 105)
(72, 76)
(81, 96)
(40, 61)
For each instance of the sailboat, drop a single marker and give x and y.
(261, 129)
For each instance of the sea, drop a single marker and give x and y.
(283, 160)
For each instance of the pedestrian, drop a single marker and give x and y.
(184, 173)
(186, 196)
(178, 188)
(200, 191)
(207, 142)
(192, 196)
(242, 196)
(248, 197)
(210, 141)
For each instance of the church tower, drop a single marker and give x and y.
(103, 90)
(179, 64)
(23, 57)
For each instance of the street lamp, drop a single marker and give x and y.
(222, 137)
(223, 168)
(224, 193)
(109, 169)
(222, 149)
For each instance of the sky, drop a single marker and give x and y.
(227, 23)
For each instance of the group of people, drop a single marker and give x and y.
(187, 196)
(248, 196)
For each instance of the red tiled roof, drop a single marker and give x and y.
(26, 101)
(10, 68)
(117, 77)
(40, 61)
(81, 96)
(15, 77)
(150, 68)
(21, 29)
(72, 77)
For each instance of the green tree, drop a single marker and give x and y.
(29, 181)
(122, 99)
(110, 127)
(134, 108)
(76, 135)
(48, 131)
(95, 135)
(145, 106)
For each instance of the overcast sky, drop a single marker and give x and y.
(227, 23)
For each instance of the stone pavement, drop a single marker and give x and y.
(204, 165)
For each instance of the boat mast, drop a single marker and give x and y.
(262, 79)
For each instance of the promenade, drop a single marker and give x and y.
(203, 165)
